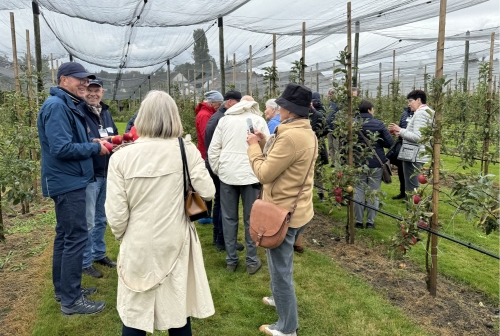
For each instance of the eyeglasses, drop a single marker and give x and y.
(410, 101)
(82, 80)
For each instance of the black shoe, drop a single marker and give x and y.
(220, 247)
(321, 197)
(370, 226)
(83, 306)
(106, 262)
(239, 247)
(85, 291)
(92, 271)
(400, 196)
(358, 225)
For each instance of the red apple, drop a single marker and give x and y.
(133, 131)
(402, 248)
(392, 131)
(414, 240)
(117, 140)
(337, 191)
(338, 199)
(422, 224)
(128, 137)
(108, 146)
(416, 199)
(44, 211)
(339, 174)
(422, 179)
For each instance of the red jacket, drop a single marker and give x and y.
(203, 113)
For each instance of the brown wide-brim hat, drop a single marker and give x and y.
(296, 99)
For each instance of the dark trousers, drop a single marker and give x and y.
(183, 331)
(69, 244)
(401, 176)
(216, 216)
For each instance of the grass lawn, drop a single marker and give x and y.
(331, 301)
(455, 261)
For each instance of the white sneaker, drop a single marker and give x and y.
(265, 329)
(269, 301)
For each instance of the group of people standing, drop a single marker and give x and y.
(162, 281)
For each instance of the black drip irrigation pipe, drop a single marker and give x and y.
(468, 245)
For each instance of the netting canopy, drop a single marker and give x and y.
(128, 42)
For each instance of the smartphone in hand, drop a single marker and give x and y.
(250, 126)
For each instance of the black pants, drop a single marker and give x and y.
(183, 331)
(401, 176)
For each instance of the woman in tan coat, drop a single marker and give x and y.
(282, 169)
(161, 276)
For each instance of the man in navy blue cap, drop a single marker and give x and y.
(100, 127)
(66, 171)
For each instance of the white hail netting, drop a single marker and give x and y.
(126, 41)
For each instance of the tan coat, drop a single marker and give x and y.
(283, 171)
(145, 209)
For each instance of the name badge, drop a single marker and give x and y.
(110, 130)
(103, 133)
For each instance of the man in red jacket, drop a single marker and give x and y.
(204, 110)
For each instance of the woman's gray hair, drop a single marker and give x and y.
(158, 117)
(272, 103)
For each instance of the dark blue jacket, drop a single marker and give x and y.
(210, 130)
(331, 117)
(371, 126)
(100, 162)
(131, 122)
(66, 148)
(405, 117)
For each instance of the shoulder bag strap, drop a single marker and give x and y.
(305, 179)
(373, 150)
(184, 166)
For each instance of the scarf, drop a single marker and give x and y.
(270, 141)
(96, 109)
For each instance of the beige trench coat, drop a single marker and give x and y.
(145, 209)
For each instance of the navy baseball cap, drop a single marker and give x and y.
(74, 70)
(96, 81)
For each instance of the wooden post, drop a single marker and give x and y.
(71, 60)
(356, 49)
(221, 56)
(234, 70)
(250, 69)
(466, 58)
(303, 70)
(32, 117)
(333, 72)
(436, 153)
(456, 80)
(57, 66)
(212, 82)
(194, 81)
(38, 45)
(140, 95)
(52, 69)
(311, 77)
(486, 145)
(14, 53)
(349, 118)
(399, 72)
(394, 65)
(149, 82)
(169, 75)
(273, 80)
(202, 79)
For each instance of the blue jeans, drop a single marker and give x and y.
(96, 221)
(280, 264)
(69, 244)
(371, 181)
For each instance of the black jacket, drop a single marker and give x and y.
(210, 130)
(100, 162)
(319, 126)
(405, 117)
(393, 153)
(371, 126)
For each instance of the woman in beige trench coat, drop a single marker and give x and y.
(161, 275)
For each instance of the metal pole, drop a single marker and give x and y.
(466, 59)
(221, 56)
(52, 69)
(250, 68)
(169, 75)
(356, 48)
(38, 45)
(317, 77)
